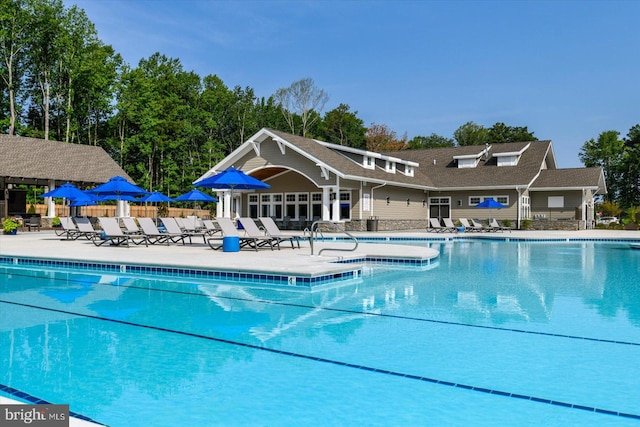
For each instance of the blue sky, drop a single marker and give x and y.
(568, 70)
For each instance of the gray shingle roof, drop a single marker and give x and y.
(348, 167)
(32, 158)
(569, 178)
(439, 165)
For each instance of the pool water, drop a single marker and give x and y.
(498, 333)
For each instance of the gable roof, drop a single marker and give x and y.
(36, 161)
(577, 178)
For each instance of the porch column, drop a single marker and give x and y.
(220, 204)
(335, 206)
(227, 204)
(51, 205)
(326, 202)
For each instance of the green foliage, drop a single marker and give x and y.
(431, 141)
(609, 209)
(340, 126)
(10, 224)
(31, 210)
(506, 223)
(525, 224)
(632, 214)
(501, 133)
(163, 209)
(55, 222)
(471, 134)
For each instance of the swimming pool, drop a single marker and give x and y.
(496, 334)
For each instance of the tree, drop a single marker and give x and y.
(501, 133)
(471, 134)
(431, 141)
(630, 169)
(341, 126)
(303, 99)
(14, 37)
(607, 151)
(380, 138)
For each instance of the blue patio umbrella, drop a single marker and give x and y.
(85, 199)
(66, 191)
(117, 188)
(195, 196)
(490, 204)
(154, 197)
(232, 179)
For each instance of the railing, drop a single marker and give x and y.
(315, 230)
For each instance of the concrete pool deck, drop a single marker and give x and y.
(45, 244)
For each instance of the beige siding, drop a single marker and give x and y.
(397, 207)
(540, 204)
(460, 207)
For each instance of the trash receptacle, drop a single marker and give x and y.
(231, 244)
(372, 223)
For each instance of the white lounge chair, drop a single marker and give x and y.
(130, 226)
(493, 224)
(154, 235)
(85, 229)
(435, 226)
(448, 223)
(174, 229)
(112, 233)
(272, 230)
(69, 229)
(230, 230)
(467, 226)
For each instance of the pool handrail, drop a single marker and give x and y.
(314, 227)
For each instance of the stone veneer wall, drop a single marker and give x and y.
(388, 224)
(568, 225)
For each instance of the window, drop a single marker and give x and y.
(253, 205)
(297, 205)
(316, 206)
(390, 166)
(556, 201)
(474, 200)
(440, 207)
(345, 205)
(368, 162)
(271, 205)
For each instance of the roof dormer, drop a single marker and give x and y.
(471, 160)
(510, 158)
(390, 166)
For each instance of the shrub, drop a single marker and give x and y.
(32, 210)
(10, 224)
(55, 222)
(506, 223)
(525, 224)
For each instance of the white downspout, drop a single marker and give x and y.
(372, 199)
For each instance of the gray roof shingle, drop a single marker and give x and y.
(32, 158)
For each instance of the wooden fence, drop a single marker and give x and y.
(135, 211)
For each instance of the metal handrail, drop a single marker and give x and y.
(314, 227)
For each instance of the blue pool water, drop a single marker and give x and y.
(495, 334)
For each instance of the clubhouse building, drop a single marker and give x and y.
(315, 180)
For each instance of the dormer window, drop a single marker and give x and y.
(510, 158)
(368, 162)
(471, 160)
(390, 166)
(408, 170)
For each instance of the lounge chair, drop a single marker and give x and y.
(448, 223)
(172, 227)
(112, 233)
(434, 226)
(85, 229)
(477, 224)
(154, 235)
(229, 230)
(210, 227)
(69, 229)
(251, 230)
(272, 230)
(467, 226)
(493, 224)
(130, 226)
